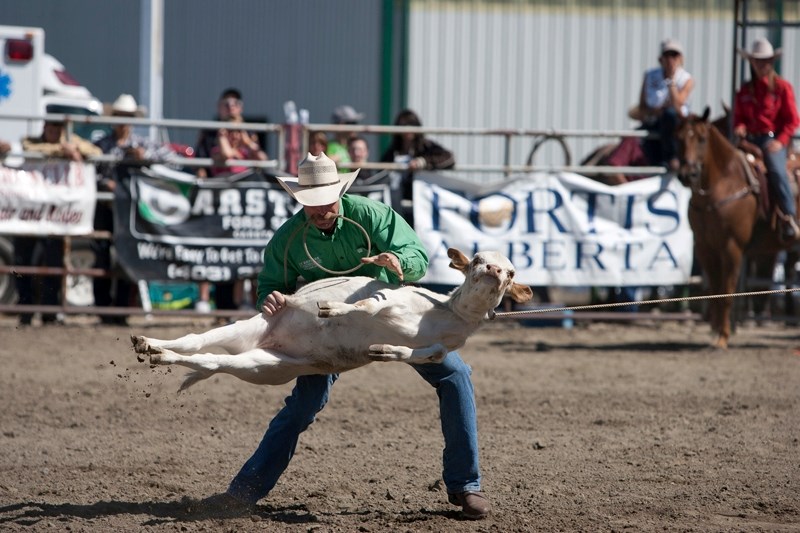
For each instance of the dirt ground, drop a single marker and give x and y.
(602, 427)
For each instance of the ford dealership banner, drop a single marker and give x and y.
(172, 227)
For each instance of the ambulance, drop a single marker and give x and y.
(34, 83)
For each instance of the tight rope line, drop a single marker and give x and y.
(507, 314)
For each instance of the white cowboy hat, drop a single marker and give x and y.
(761, 49)
(125, 104)
(318, 182)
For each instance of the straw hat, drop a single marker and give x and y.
(318, 182)
(125, 104)
(760, 49)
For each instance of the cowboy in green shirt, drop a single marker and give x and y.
(342, 245)
(316, 243)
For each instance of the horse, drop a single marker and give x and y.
(723, 213)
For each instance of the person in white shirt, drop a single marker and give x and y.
(664, 99)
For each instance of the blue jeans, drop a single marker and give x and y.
(661, 150)
(776, 175)
(450, 378)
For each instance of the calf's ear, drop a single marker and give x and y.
(458, 260)
(520, 293)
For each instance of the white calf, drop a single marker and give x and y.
(338, 324)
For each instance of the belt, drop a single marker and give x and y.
(762, 134)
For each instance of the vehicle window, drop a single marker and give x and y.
(90, 132)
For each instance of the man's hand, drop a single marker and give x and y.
(274, 303)
(773, 146)
(71, 151)
(388, 260)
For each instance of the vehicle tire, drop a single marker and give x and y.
(8, 291)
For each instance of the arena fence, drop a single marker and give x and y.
(292, 141)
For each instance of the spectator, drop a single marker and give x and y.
(337, 150)
(130, 149)
(4, 148)
(398, 255)
(123, 143)
(230, 107)
(46, 251)
(358, 150)
(53, 142)
(418, 152)
(765, 111)
(235, 144)
(317, 142)
(663, 100)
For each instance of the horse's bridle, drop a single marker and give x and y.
(696, 169)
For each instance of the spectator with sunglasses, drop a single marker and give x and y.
(216, 144)
(664, 99)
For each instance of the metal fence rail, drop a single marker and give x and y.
(284, 131)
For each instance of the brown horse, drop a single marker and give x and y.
(723, 213)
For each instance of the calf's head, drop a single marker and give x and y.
(489, 276)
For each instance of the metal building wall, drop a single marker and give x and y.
(318, 53)
(540, 65)
(575, 64)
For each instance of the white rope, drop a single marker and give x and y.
(305, 227)
(507, 314)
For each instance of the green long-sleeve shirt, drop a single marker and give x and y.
(341, 250)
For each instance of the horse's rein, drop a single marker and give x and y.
(738, 195)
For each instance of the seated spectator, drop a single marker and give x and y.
(131, 149)
(53, 142)
(123, 143)
(337, 149)
(230, 106)
(317, 143)
(216, 144)
(235, 144)
(418, 152)
(663, 100)
(358, 150)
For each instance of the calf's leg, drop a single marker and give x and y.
(257, 366)
(370, 306)
(388, 352)
(232, 338)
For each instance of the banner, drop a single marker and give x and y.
(171, 227)
(47, 198)
(559, 229)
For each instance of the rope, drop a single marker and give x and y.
(306, 227)
(507, 314)
(338, 272)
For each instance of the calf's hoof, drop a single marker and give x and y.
(324, 309)
(142, 347)
(382, 352)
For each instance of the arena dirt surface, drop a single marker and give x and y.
(603, 427)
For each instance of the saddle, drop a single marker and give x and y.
(757, 178)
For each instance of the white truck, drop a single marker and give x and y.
(34, 83)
